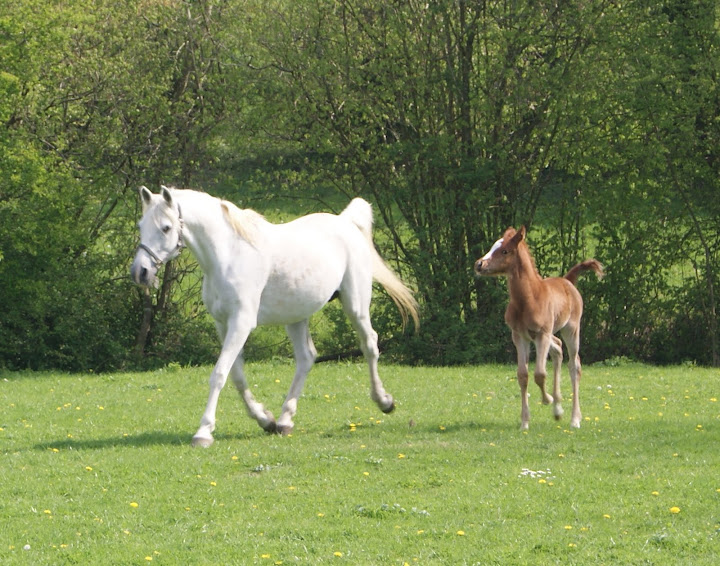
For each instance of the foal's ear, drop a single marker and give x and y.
(145, 196)
(519, 236)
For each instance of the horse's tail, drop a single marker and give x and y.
(587, 265)
(359, 212)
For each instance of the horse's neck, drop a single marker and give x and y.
(206, 232)
(523, 279)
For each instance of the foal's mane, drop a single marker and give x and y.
(244, 221)
(522, 248)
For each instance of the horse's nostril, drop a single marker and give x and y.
(143, 274)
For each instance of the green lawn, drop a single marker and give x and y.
(99, 470)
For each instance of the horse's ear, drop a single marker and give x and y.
(145, 196)
(167, 195)
(522, 232)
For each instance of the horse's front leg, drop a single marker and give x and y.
(305, 354)
(235, 335)
(255, 409)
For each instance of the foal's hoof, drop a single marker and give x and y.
(389, 409)
(202, 442)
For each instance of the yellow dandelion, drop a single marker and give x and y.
(134, 505)
(88, 468)
(148, 558)
(401, 456)
(656, 493)
(338, 554)
(674, 510)
(264, 556)
(321, 514)
(366, 473)
(442, 427)
(606, 516)
(461, 533)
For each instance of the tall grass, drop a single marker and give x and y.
(99, 470)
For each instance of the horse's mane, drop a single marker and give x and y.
(244, 221)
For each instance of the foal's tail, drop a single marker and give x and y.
(359, 212)
(587, 265)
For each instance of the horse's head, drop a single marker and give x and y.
(161, 235)
(502, 255)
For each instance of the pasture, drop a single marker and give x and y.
(98, 469)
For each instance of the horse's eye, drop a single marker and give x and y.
(504, 252)
(166, 229)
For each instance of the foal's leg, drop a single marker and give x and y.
(557, 355)
(305, 354)
(523, 359)
(234, 336)
(543, 345)
(358, 311)
(571, 335)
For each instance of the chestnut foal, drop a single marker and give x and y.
(538, 309)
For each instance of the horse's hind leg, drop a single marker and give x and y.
(557, 355)
(305, 353)
(358, 311)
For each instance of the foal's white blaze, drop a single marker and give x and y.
(495, 246)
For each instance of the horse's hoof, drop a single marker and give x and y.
(284, 430)
(389, 409)
(202, 442)
(270, 427)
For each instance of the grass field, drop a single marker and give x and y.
(99, 470)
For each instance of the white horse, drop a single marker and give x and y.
(262, 273)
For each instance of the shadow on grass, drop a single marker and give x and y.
(153, 438)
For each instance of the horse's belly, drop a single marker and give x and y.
(288, 301)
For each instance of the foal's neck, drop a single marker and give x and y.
(523, 278)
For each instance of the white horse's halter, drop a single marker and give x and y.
(180, 244)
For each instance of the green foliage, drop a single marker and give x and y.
(594, 124)
(99, 469)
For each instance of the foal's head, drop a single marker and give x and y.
(503, 254)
